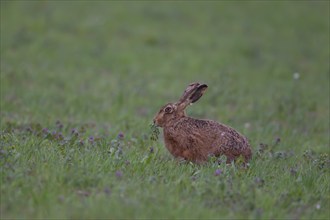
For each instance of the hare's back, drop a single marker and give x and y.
(222, 133)
(210, 129)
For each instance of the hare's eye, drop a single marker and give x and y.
(168, 109)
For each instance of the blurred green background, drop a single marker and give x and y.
(114, 63)
(106, 61)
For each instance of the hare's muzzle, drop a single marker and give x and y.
(155, 123)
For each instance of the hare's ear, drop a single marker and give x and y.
(192, 93)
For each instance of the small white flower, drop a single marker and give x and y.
(296, 76)
(318, 206)
(247, 125)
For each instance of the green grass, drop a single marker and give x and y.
(105, 67)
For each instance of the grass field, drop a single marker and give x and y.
(82, 80)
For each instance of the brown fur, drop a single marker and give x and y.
(195, 139)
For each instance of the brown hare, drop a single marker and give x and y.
(195, 139)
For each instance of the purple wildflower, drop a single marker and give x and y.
(217, 172)
(45, 130)
(119, 174)
(74, 131)
(120, 135)
(54, 135)
(60, 136)
(151, 149)
(91, 139)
